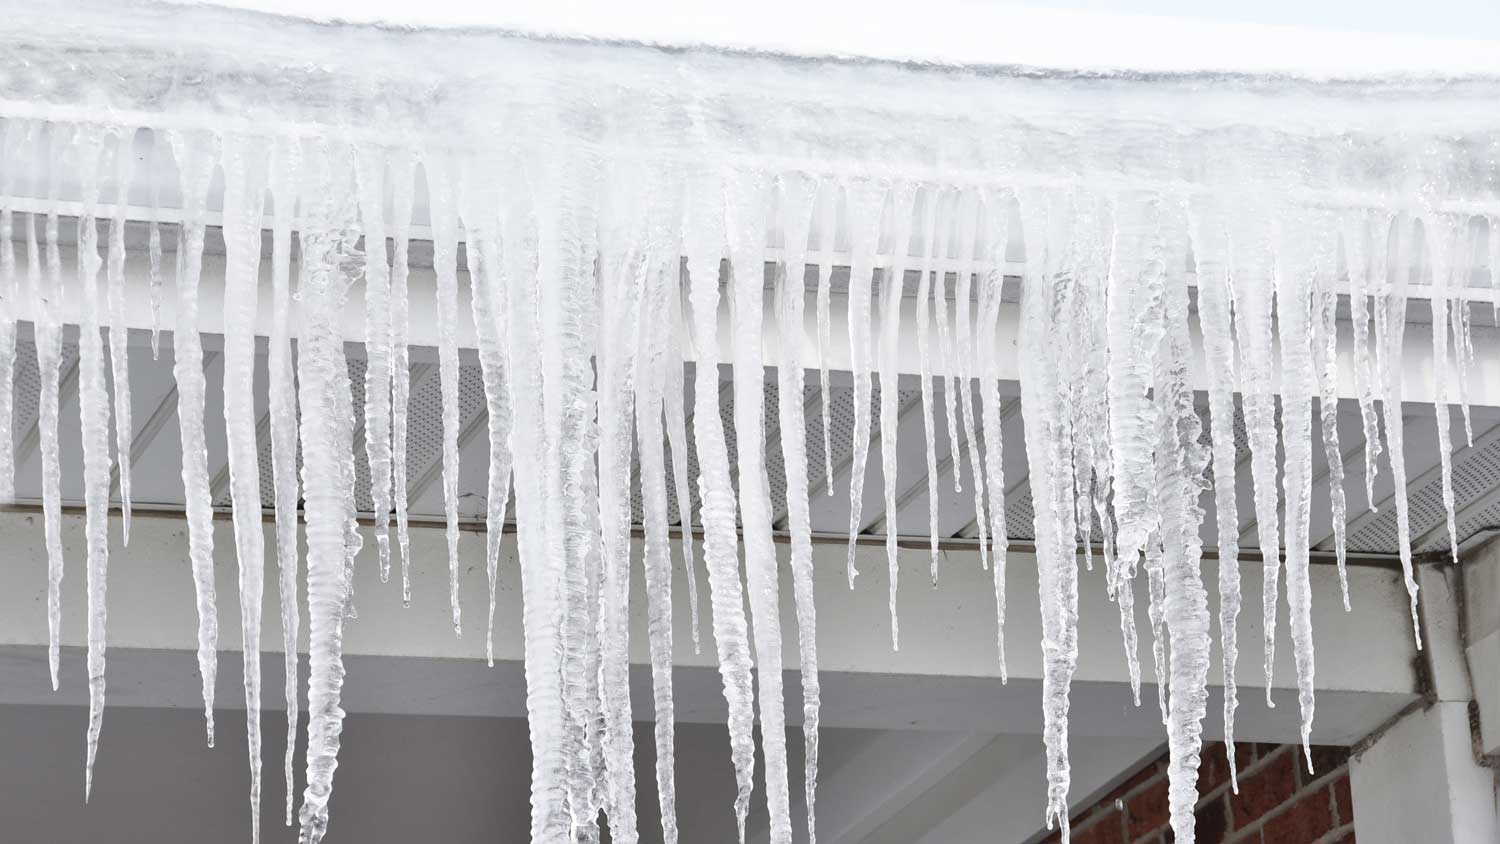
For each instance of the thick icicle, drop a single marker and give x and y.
(1047, 454)
(47, 295)
(1356, 242)
(891, 284)
(282, 390)
(480, 200)
(703, 243)
(827, 226)
(866, 201)
(796, 218)
(1303, 254)
(659, 357)
(119, 349)
(924, 367)
(370, 173)
(244, 204)
(747, 201)
(93, 413)
(444, 213)
(1251, 279)
(1179, 469)
(622, 276)
(328, 238)
(11, 139)
(196, 155)
(673, 400)
(996, 238)
(403, 169)
(1210, 253)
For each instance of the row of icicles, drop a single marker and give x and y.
(570, 260)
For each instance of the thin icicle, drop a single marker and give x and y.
(285, 176)
(1251, 277)
(244, 205)
(444, 213)
(484, 280)
(328, 235)
(1304, 252)
(1356, 242)
(963, 362)
(673, 401)
(1393, 254)
(987, 351)
(1442, 236)
(119, 352)
(947, 203)
(1156, 606)
(370, 173)
(1325, 303)
(11, 139)
(196, 156)
(47, 295)
(93, 414)
(924, 368)
(703, 243)
(866, 201)
(796, 217)
(1210, 252)
(827, 225)
(153, 243)
(891, 285)
(402, 173)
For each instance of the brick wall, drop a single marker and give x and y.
(1278, 802)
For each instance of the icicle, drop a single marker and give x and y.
(11, 140)
(195, 156)
(1156, 606)
(747, 200)
(675, 392)
(1210, 252)
(1047, 453)
(962, 368)
(622, 277)
(444, 215)
(1325, 364)
(370, 173)
(703, 243)
(997, 237)
(328, 235)
(1393, 263)
(657, 358)
(827, 225)
(1441, 231)
(153, 244)
(480, 200)
(924, 367)
(892, 282)
(47, 294)
(1461, 323)
(1251, 282)
(402, 172)
(244, 202)
(284, 178)
(1356, 237)
(866, 200)
(796, 218)
(1301, 256)
(93, 414)
(945, 214)
(1179, 469)
(119, 349)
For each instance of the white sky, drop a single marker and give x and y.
(1313, 37)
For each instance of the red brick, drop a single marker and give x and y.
(1147, 810)
(1303, 822)
(1106, 829)
(1261, 792)
(1213, 768)
(1325, 760)
(1344, 799)
(1156, 768)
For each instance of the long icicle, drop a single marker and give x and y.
(119, 347)
(892, 281)
(963, 362)
(93, 413)
(444, 213)
(195, 156)
(12, 138)
(924, 369)
(403, 169)
(47, 295)
(244, 204)
(370, 173)
(866, 201)
(282, 390)
(675, 396)
(1324, 331)
(1442, 236)
(1356, 241)
(827, 212)
(987, 348)
(1394, 260)
(797, 194)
